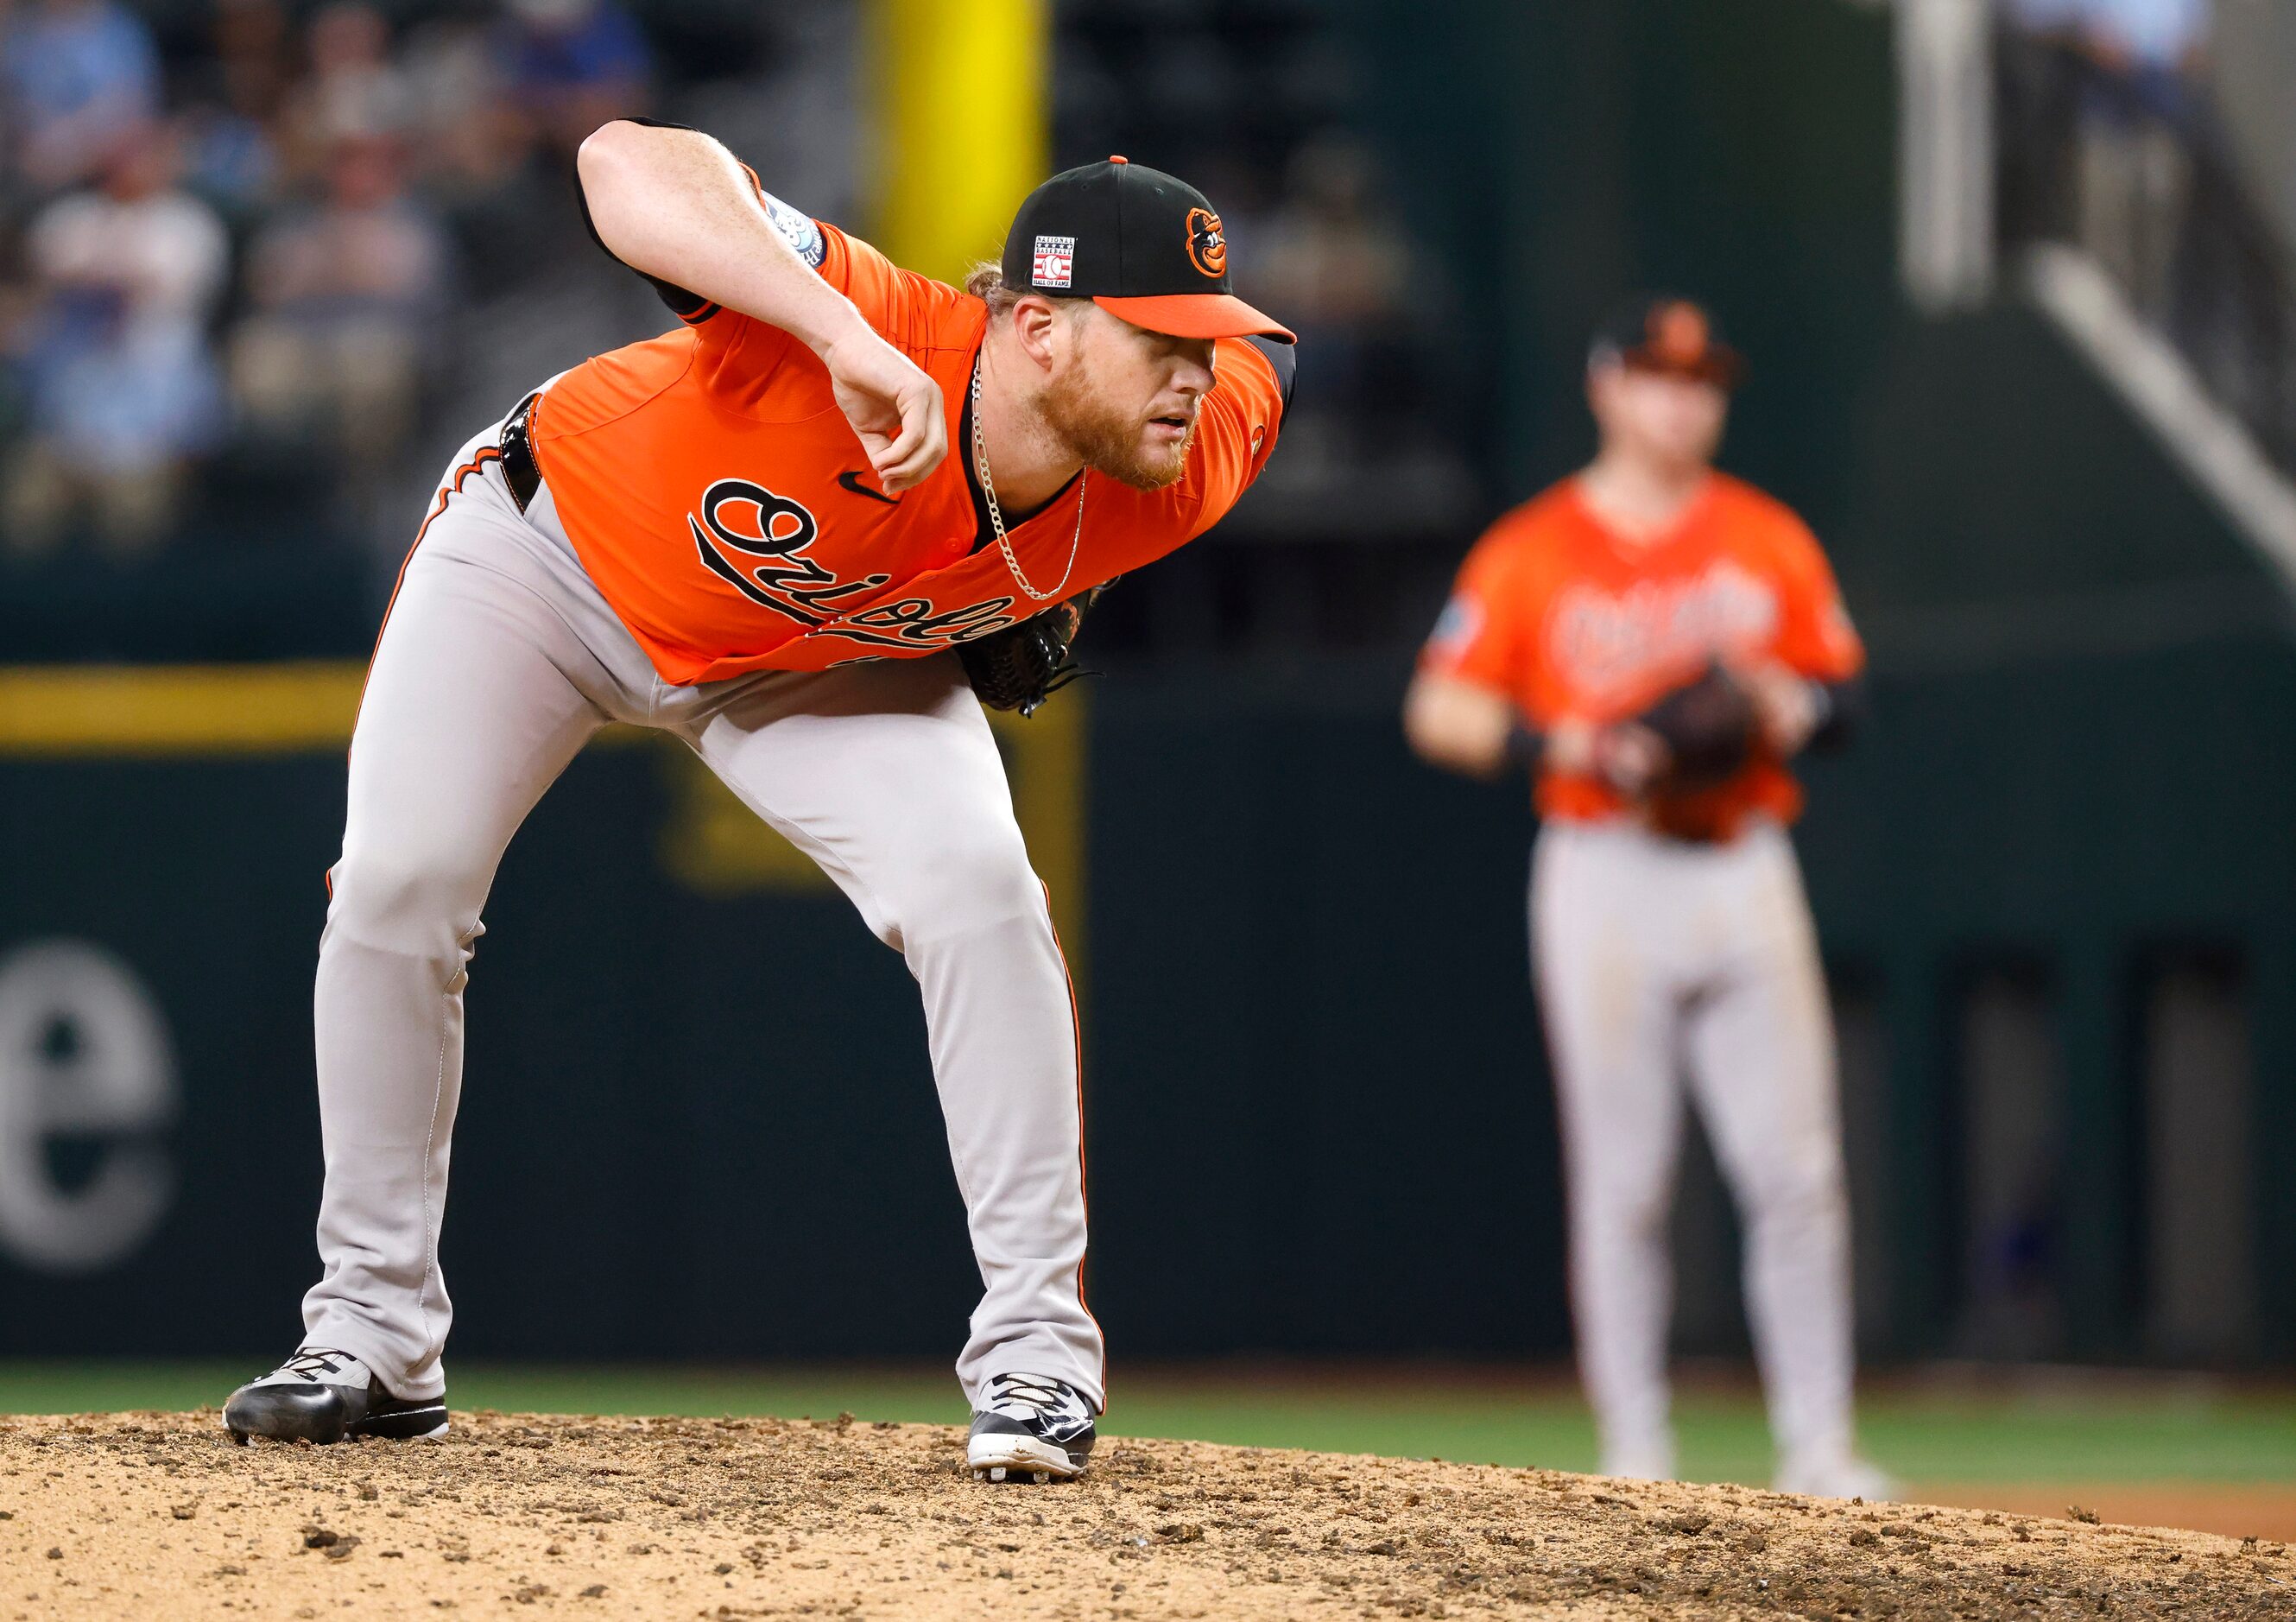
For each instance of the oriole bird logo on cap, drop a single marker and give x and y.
(1207, 242)
(1679, 332)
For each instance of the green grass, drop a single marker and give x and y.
(2076, 1430)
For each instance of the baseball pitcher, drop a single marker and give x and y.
(1656, 640)
(744, 533)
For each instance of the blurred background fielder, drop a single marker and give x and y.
(1673, 947)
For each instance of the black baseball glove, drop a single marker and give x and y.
(1710, 727)
(1020, 666)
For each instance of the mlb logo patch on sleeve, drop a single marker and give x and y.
(1054, 264)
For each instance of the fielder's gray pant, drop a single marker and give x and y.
(498, 661)
(1660, 964)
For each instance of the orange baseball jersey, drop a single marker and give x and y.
(1559, 614)
(725, 508)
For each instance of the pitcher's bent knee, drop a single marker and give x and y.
(957, 885)
(419, 904)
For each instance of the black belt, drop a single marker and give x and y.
(518, 465)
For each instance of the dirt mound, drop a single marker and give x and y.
(159, 1515)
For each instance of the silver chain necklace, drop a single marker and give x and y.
(996, 514)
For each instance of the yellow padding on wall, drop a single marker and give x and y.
(160, 710)
(958, 108)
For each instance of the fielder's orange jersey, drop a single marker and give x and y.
(725, 508)
(1558, 613)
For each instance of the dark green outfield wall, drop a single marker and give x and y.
(1318, 1121)
(706, 1127)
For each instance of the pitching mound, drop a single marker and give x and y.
(159, 1515)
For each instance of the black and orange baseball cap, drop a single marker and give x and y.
(1137, 241)
(1665, 332)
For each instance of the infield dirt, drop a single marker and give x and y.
(159, 1515)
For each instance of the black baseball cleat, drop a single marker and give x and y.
(322, 1395)
(1035, 1428)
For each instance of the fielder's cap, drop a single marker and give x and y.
(1137, 241)
(1662, 333)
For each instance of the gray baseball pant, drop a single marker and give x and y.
(499, 659)
(1663, 965)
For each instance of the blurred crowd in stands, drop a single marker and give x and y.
(265, 263)
(1350, 536)
(2134, 131)
(1259, 105)
(251, 248)
(2129, 80)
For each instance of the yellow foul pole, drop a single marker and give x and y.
(957, 91)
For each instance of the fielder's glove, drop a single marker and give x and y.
(1711, 729)
(1020, 666)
